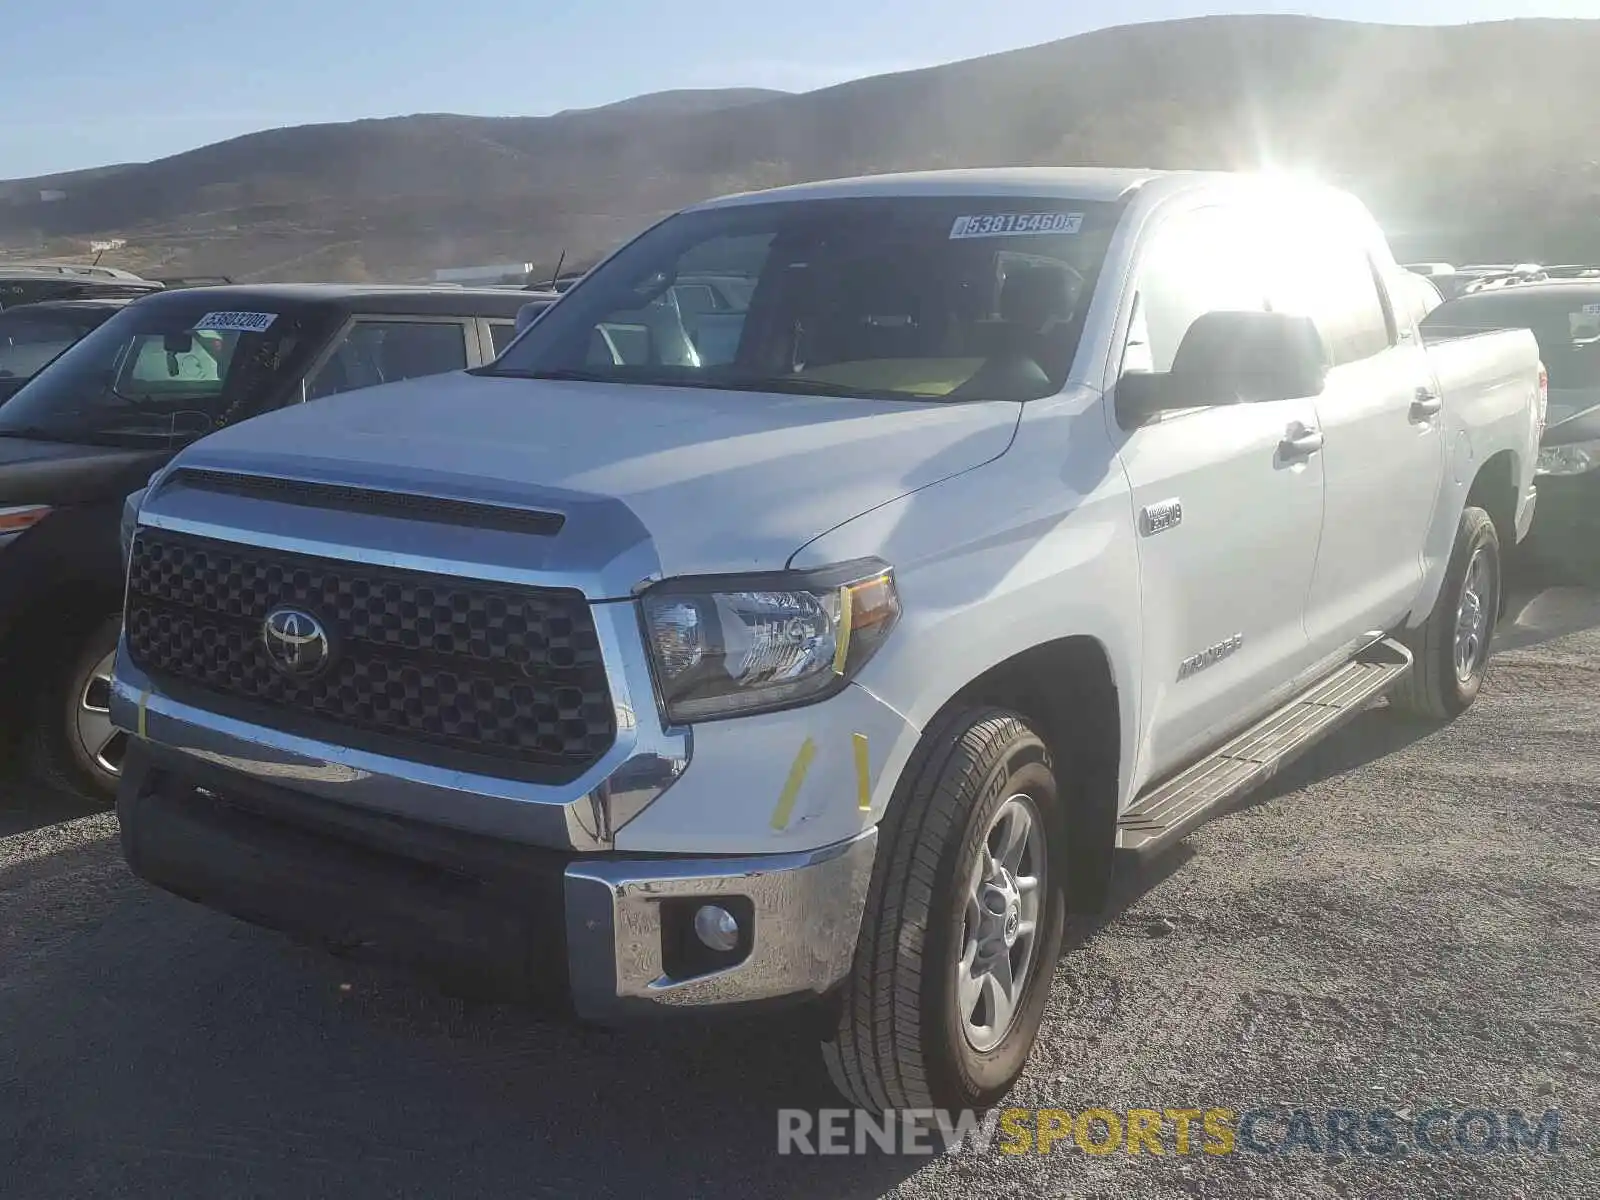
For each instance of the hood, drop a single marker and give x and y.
(720, 481)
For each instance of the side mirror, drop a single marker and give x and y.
(528, 313)
(1230, 358)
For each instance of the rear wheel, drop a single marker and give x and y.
(75, 746)
(963, 926)
(1451, 648)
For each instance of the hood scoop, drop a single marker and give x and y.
(410, 506)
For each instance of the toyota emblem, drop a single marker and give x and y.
(297, 644)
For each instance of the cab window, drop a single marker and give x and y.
(374, 352)
(1330, 278)
(1199, 262)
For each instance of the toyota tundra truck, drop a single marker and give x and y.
(831, 645)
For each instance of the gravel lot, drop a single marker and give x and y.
(1406, 919)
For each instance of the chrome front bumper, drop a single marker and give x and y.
(600, 934)
(807, 911)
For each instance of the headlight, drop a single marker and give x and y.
(130, 522)
(1576, 459)
(745, 644)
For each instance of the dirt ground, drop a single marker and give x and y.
(1406, 919)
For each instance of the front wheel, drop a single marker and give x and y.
(75, 746)
(963, 926)
(1451, 649)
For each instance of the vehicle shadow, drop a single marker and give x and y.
(26, 806)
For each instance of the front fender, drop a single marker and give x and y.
(1031, 548)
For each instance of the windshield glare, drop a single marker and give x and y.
(933, 298)
(28, 341)
(153, 377)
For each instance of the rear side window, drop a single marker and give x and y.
(377, 352)
(1331, 280)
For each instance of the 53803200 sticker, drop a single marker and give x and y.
(1591, 310)
(1015, 224)
(241, 322)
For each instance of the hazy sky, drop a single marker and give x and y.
(92, 82)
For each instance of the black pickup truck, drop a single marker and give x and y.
(90, 428)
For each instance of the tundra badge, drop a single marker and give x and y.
(1209, 657)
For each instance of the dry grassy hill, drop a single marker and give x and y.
(1470, 141)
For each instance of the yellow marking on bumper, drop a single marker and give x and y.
(791, 786)
(144, 698)
(863, 773)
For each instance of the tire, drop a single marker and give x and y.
(901, 1040)
(72, 687)
(1436, 688)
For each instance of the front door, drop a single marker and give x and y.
(1227, 504)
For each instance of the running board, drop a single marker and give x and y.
(1170, 810)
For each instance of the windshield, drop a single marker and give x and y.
(30, 340)
(1566, 324)
(155, 376)
(904, 298)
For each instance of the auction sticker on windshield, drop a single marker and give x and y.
(1015, 224)
(242, 322)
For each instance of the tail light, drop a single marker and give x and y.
(1544, 395)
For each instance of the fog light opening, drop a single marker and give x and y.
(701, 935)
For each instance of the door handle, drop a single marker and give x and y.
(1426, 404)
(1300, 442)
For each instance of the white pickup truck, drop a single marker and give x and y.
(819, 598)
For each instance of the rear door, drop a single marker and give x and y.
(1227, 521)
(374, 350)
(1383, 436)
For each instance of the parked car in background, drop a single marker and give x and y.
(34, 335)
(92, 426)
(32, 284)
(1024, 517)
(1416, 295)
(1573, 271)
(528, 313)
(1564, 316)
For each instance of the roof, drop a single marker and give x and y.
(1090, 184)
(100, 304)
(416, 300)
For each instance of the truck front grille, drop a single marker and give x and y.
(422, 666)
